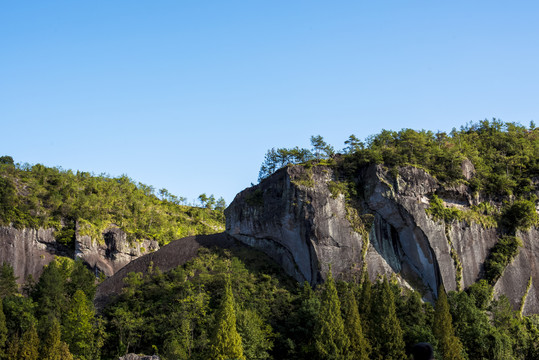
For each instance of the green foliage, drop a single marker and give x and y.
(520, 215)
(50, 291)
(227, 341)
(504, 155)
(501, 255)
(29, 345)
(386, 336)
(255, 198)
(3, 331)
(78, 329)
(176, 314)
(256, 336)
(53, 348)
(38, 196)
(449, 345)
(336, 188)
(359, 346)
(8, 281)
(481, 292)
(275, 159)
(321, 150)
(331, 342)
(439, 212)
(304, 178)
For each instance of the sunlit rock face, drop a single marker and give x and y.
(294, 217)
(28, 250)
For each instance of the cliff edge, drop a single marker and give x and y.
(302, 217)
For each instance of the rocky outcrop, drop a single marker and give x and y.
(28, 250)
(112, 252)
(297, 218)
(139, 357)
(174, 254)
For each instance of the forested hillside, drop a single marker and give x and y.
(38, 196)
(505, 156)
(237, 304)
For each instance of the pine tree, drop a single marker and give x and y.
(29, 345)
(385, 333)
(13, 347)
(449, 345)
(359, 346)
(227, 341)
(78, 330)
(331, 341)
(53, 348)
(3, 331)
(8, 281)
(364, 303)
(50, 291)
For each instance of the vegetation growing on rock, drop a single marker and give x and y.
(38, 196)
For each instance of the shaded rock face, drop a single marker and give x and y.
(301, 226)
(113, 252)
(28, 250)
(303, 229)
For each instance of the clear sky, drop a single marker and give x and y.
(189, 95)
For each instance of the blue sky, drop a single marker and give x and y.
(189, 95)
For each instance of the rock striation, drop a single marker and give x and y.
(298, 219)
(28, 250)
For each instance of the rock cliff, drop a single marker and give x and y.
(298, 218)
(28, 250)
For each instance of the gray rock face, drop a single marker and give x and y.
(301, 226)
(113, 252)
(28, 250)
(139, 357)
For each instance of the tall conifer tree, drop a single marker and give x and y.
(359, 346)
(3, 331)
(13, 347)
(78, 325)
(227, 342)
(331, 341)
(364, 303)
(448, 344)
(53, 348)
(386, 334)
(29, 345)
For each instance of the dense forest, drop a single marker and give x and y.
(38, 196)
(505, 155)
(236, 304)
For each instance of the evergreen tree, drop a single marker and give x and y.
(364, 303)
(449, 345)
(359, 346)
(3, 331)
(331, 341)
(227, 341)
(385, 332)
(29, 347)
(8, 281)
(13, 347)
(50, 291)
(78, 330)
(53, 348)
(81, 278)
